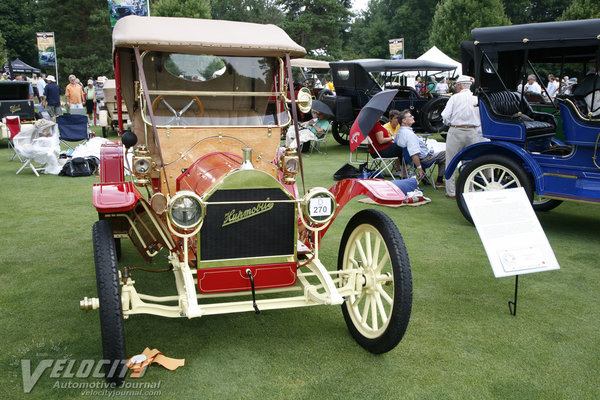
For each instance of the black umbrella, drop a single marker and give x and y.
(368, 116)
(321, 107)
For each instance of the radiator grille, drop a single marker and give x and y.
(257, 229)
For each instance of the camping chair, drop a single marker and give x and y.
(361, 154)
(72, 128)
(13, 125)
(317, 143)
(39, 145)
(409, 166)
(380, 165)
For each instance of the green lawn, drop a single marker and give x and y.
(461, 342)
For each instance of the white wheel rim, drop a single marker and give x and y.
(491, 177)
(370, 309)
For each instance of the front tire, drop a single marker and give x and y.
(378, 312)
(490, 173)
(109, 294)
(431, 115)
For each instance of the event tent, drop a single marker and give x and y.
(19, 67)
(435, 54)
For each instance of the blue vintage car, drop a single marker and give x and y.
(523, 149)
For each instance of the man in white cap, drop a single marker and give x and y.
(51, 99)
(462, 116)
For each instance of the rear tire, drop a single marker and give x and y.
(341, 132)
(109, 294)
(490, 172)
(545, 204)
(431, 115)
(377, 314)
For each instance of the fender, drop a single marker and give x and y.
(499, 148)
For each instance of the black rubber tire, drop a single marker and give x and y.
(545, 204)
(431, 115)
(109, 295)
(341, 132)
(398, 265)
(506, 163)
(118, 248)
(324, 92)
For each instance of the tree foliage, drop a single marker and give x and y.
(181, 8)
(82, 35)
(3, 52)
(18, 26)
(454, 20)
(525, 12)
(258, 11)
(317, 25)
(582, 9)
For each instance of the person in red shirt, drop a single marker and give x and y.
(383, 142)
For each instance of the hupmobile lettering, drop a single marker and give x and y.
(234, 215)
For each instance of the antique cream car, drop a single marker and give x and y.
(213, 191)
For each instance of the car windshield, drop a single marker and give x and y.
(209, 90)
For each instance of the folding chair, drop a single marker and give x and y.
(381, 164)
(317, 143)
(38, 144)
(13, 124)
(72, 128)
(360, 155)
(409, 165)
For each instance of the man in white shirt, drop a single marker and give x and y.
(462, 116)
(41, 84)
(552, 86)
(532, 86)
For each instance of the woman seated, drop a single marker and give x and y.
(313, 129)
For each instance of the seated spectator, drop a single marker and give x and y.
(382, 142)
(532, 86)
(313, 129)
(417, 149)
(442, 87)
(589, 89)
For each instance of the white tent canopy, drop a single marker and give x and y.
(435, 54)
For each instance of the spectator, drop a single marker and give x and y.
(33, 82)
(552, 87)
(461, 114)
(394, 124)
(442, 87)
(418, 85)
(532, 86)
(51, 98)
(589, 89)
(417, 149)
(21, 78)
(382, 142)
(90, 99)
(100, 89)
(74, 93)
(313, 129)
(431, 85)
(41, 85)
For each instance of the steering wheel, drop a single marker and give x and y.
(178, 115)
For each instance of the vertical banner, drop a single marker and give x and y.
(122, 8)
(46, 50)
(396, 49)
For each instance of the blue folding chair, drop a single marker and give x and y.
(409, 166)
(72, 128)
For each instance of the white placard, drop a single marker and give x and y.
(511, 234)
(320, 207)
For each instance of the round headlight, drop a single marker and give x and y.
(291, 165)
(142, 165)
(186, 210)
(319, 205)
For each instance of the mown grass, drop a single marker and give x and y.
(461, 342)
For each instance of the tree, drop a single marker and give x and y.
(582, 9)
(258, 11)
(181, 8)
(525, 12)
(3, 52)
(317, 25)
(454, 20)
(82, 35)
(18, 26)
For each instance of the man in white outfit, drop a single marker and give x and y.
(462, 116)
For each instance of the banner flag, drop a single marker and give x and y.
(396, 49)
(46, 50)
(122, 8)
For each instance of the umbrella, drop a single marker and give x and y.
(321, 107)
(368, 116)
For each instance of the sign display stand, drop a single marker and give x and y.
(511, 234)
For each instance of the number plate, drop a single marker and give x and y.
(320, 207)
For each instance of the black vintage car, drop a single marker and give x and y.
(357, 81)
(14, 100)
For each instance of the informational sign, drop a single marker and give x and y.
(511, 234)
(46, 50)
(396, 49)
(122, 8)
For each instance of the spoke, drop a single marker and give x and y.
(184, 109)
(357, 300)
(473, 183)
(353, 261)
(385, 295)
(376, 252)
(169, 106)
(384, 260)
(510, 183)
(368, 247)
(374, 324)
(361, 252)
(480, 173)
(502, 176)
(381, 308)
(365, 312)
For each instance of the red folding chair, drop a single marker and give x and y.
(13, 124)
